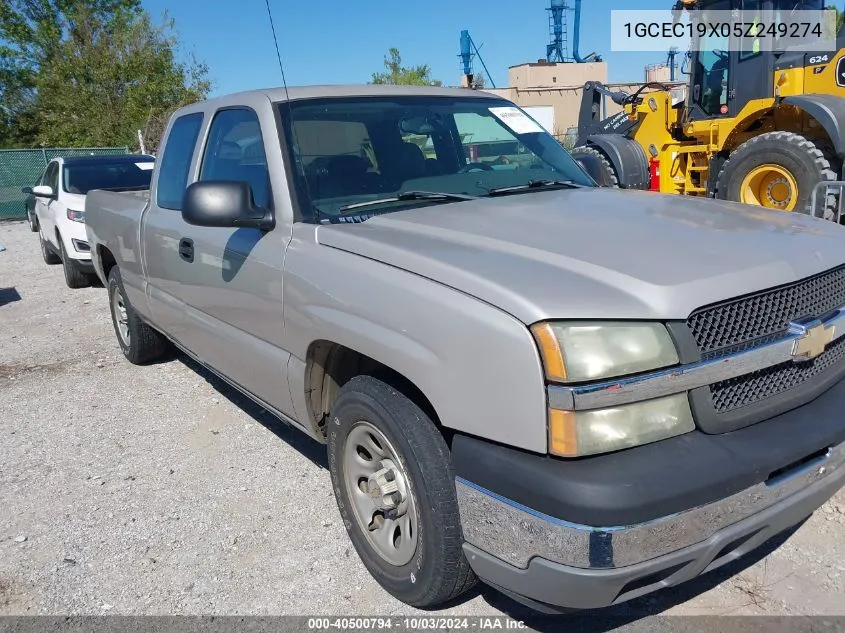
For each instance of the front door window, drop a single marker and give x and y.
(712, 79)
(711, 67)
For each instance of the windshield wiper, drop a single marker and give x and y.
(535, 184)
(408, 196)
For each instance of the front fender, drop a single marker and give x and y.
(478, 366)
(829, 111)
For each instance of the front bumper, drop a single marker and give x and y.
(84, 265)
(546, 583)
(534, 534)
(76, 243)
(597, 531)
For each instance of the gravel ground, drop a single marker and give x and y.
(159, 490)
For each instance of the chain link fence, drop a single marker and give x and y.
(24, 167)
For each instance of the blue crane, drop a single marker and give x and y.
(557, 51)
(673, 51)
(469, 51)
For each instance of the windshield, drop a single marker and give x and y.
(353, 150)
(83, 177)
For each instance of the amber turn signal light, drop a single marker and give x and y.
(550, 352)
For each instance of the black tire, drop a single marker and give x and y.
(74, 278)
(32, 219)
(143, 344)
(438, 570)
(605, 174)
(47, 252)
(801, 157)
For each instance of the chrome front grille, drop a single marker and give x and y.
(733, 325)
(759, 385)
(739, 324)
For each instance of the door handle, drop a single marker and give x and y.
(186, 249)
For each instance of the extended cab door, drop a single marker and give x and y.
(161, 226)
(219, 290)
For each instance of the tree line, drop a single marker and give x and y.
(87, 73)
(83, 73)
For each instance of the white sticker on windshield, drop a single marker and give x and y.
(516, 120)
(145, 166)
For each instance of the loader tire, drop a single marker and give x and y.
(778, 171)
(606, 174)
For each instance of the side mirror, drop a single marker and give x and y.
(26, 190)
(43, 191)
(225, 203)
(594, 169)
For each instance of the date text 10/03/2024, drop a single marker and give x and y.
(415, 624)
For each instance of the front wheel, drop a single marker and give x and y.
(776, 170)
(395, 490)
(47, 252)
(74, 278)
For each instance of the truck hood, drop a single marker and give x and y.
(597, 253)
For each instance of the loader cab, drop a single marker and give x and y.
(724, 77)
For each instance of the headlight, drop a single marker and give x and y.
(579, 433)
(76, 216)
(583, 351)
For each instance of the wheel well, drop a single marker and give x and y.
(107, 260)
(329, 366)
(762, 121)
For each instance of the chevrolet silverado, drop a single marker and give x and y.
(577, 394)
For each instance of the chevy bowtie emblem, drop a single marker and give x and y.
(812, 342)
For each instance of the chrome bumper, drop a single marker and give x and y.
(516, 534)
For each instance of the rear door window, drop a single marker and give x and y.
(176, 161)
(321, 141)
(336, 157)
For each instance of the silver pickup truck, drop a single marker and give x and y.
(577, 394)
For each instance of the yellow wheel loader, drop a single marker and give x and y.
(761, 127)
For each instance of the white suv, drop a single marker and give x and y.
(60, 205)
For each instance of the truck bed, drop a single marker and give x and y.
(113, 220)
